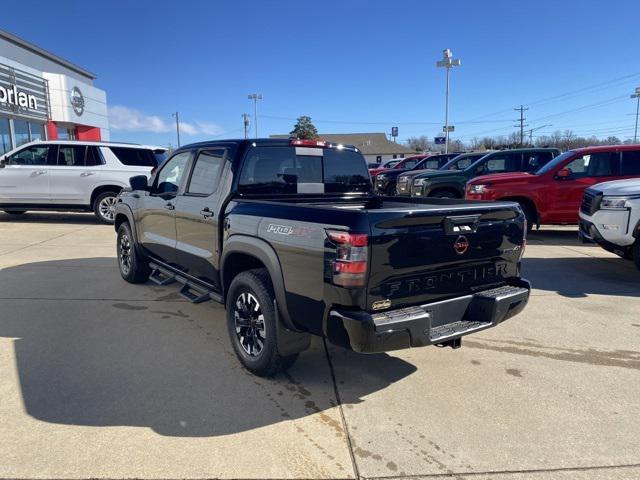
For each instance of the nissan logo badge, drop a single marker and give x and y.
(461, 245)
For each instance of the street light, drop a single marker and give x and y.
(637, 96)
(255, 97)
(177, 115)
(448, 63)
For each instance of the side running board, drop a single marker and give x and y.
(194, 292)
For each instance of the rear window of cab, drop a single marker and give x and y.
(291, 170)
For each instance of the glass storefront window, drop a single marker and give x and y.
(21, 132)
(5, 136)
(37, 131)
(65, 134)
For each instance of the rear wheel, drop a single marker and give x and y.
(251, 322)
(104, 206)
(134, 268)
(445, 193)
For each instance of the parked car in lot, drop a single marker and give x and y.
(403, 164)
(553, 193)
(610, 216)
(450, 183)
(387, 164)
(458, 161)
(386, 180)
(289, 235)
(72, 175)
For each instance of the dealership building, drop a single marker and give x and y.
(43, 96)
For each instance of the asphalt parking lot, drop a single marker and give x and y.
(104, 379)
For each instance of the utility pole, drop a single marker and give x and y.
(448, 63)
(255, 97)
(636, 96)
(177, 126)
(521, 120)
(246, 123)
(531, 130)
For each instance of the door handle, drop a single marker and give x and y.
(169, 206)
(39, 172)
(86, 174)
(206, 213)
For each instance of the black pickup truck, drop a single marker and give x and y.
(290, 237)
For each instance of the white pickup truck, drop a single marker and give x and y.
(610, 216)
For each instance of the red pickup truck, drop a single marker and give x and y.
(552, 194)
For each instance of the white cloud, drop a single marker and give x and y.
(127, 119)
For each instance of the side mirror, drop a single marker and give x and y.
(482, 169)
(564, 173)
(139, 182)
(3, 162)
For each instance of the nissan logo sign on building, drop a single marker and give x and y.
(43, 96)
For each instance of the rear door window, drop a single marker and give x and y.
(599, 164)
(71, 155)
(508, 162)
(630, 162)
(533, 161)
(135, 157)
(204, 178)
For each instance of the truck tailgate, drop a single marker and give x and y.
(435, 253)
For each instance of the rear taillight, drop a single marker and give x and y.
(524, 240)
(349, 267)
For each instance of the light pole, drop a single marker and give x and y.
(177, 126)
(637, 96)
(255, 97)
(448, 63)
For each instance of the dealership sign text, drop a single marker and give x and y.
(12, 96)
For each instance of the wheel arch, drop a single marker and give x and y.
(108, 187)
(124, 214)
(526, 201)
(241, 253)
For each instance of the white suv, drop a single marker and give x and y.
(72, 175)
(610, 216)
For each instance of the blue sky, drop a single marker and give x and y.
(353, 66)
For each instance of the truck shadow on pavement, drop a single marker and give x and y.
(80, 218)
(582, 276)
(126, 355)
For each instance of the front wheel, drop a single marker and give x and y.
(251, 322)
(104, 206)
(134, 268)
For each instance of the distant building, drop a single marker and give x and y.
(374, 146)
(43, 96)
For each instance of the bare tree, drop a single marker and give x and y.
(419, 144)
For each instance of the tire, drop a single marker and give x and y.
(251, 322)
(636, 253)
(444, 193)
(104, 205)
(15, 212)
(530, 215)
(134, 268)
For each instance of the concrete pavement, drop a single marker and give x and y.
(103, 379)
